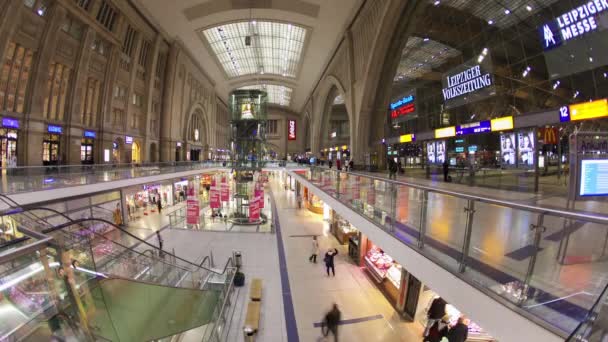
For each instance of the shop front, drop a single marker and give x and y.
(9, 134)
(342, 229)
(145, 198)
(51, 144)
(180, 190)
(87, 145)
(9, 229)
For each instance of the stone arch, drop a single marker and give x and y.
(330, 88)
(381, 67)
(196, 132)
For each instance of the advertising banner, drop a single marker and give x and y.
(291, 130)
(526, 149)
(214, 196)
(259, 194)
(468, 82)
(254, 209)
(192, 211)
(507, 149)
(225, 190)
(404, 108)
(430, 152)
(440, 153)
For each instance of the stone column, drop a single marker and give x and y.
(150, 92)
(9, 21)
(78, 90)
(167, 147)
(32, 134)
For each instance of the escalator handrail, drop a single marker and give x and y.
(77, 221)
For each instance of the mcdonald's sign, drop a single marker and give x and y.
(549, 135)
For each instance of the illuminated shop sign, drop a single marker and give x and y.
(54, 129)
(501, 124)
(459, 149)
(10, 123)
(128, 140)
(407, 138)
(475, 127)
(584, 111)
(90, 134)
(404, 106)
(574, 23)
(464, 82)
(291, 130)
(445, 132)
(399, 103)
(468, 82)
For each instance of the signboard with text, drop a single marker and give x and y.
(291, 130)
(192, 211)
(467, 83)
(403, 108)
(214, 196)
(254, 209)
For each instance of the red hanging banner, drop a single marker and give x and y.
(192, 211)
(214, 196)
(254, 210)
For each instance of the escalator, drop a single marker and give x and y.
(106, 289)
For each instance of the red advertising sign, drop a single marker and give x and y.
(214, 196)
(254, 210)
(291, 130)
(225, 192)
(401, 111)
(192, 211)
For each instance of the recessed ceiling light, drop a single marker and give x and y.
(437, 3)
(529, 8)
(425, 39)
(507, 12)
(491, 22)
(590, 59)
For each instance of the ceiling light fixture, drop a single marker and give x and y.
(437, 3)
(529, 8)
(556, 84)
(576, 93)
(490, 22)
(507, 12)
(526, 71)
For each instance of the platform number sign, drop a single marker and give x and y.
(564, 114)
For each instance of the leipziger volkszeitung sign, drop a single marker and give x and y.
(469, 82)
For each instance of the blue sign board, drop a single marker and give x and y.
(128, 140)
(475, 127)
(401, 102)
(564, 114)
(594, 177)
(10, 123)
(574, 23)
(90, 134)
(459, 149)
(472, 148)
(55, 129)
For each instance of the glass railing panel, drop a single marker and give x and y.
(446, 223)
(134, 311)
(409, 214)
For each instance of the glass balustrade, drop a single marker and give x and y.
(547, 264)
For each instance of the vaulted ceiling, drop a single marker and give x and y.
(290, 41)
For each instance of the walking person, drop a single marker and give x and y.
(159, 205)
(332, 318)
(459, 332)
(446, 171)
(392, 169)
(160, 243)
(329, 261)
(330, 164)
(314, 250)
(438, 330)
(435, 313)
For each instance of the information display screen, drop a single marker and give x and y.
(525, 149)
(440, 145)
(507, 149)
(430, 152)
(594, 177)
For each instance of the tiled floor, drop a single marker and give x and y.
(313, 292)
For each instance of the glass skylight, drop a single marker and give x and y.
(275, 48)
(277, 94)
(421, 55)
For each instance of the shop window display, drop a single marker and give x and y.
(342, 229)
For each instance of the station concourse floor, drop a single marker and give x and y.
(310, 292)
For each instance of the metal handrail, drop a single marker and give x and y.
(574, 215)
(65, 225)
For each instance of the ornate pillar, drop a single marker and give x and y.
(167, 147)
(151, 71)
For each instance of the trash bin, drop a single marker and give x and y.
(238, 259)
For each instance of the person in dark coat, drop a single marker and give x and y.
(329, 261)
(459, 332)
(446, 170)
(159, 205)
(435, 313)
(438, 330)
(332, 318)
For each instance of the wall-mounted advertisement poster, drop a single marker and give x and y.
(507, 150)
(440, 153)
(430, 152)
(526, 149)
